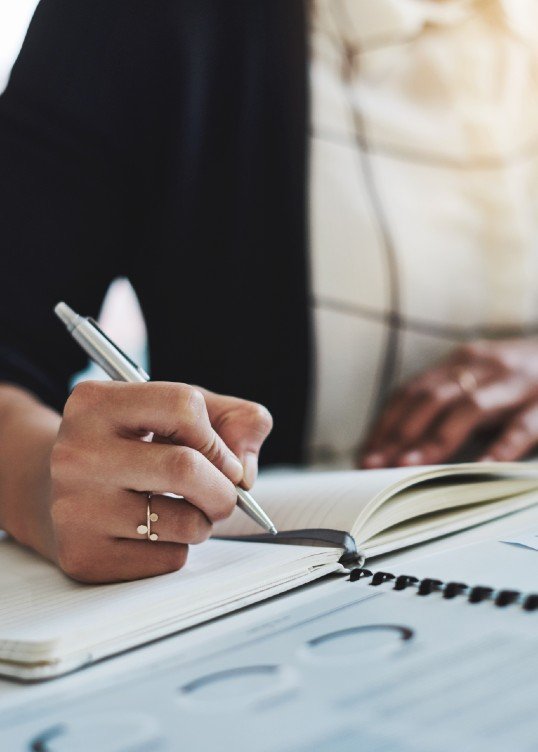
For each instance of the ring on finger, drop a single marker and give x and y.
(150, 517)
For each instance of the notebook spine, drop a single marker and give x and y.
(448, 590)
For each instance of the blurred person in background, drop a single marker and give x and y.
(316, 203)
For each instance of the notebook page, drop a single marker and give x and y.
(297, 500)
(345, 500)
(442, 523)
(446, 493)
(41, 608)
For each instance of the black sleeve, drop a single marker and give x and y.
(76, 123)
(162, 140)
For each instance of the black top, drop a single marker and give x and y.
(162, 140)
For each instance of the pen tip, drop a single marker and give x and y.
(67, 315)
(273, 530)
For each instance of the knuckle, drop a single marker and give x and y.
(63, 511)
(194, 527)
(75, 563)
(443, 393)
(203, 532)
(227, 500)
(176, 557)
(87, 395)
(72, 462)
(185, 463)
(187, 401)
(215, 450)
(196, 400)
(174, 395)
(63, 456)
(260, 417)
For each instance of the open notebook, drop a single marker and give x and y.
(50, 625)
(372, 512)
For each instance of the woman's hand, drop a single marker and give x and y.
(482, 385)
(102, 467)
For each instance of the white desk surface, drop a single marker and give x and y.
(453, 557)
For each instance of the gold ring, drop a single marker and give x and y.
(466, 380)
(150, 517)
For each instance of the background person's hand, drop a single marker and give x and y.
(483, 385)
(101, 468)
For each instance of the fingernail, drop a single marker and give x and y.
(414, 457)
(250, 469)
(373, 460)
(233, 468)
(486, 458)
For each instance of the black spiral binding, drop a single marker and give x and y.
(448, 590)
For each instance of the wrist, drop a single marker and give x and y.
(28, 430)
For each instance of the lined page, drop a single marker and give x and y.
(41, 608)
(445, 493)
(298, 500)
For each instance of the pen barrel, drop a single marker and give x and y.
(247, 504)
(120, 367)
(98, 348)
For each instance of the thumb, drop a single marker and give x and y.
(243, 426)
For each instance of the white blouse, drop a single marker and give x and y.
(423, 194)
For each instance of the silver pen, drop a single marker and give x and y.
(120, 367)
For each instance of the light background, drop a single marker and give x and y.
(120, 315)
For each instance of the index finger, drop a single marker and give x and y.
(174, 411)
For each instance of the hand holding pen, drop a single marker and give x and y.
(102, 469)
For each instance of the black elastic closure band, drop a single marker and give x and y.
(351, 557)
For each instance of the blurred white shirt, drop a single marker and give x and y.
(424, 193)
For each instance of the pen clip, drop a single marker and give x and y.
(96, 326)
